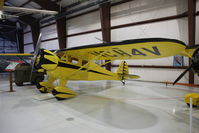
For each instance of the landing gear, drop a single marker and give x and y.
(62, 93)
(44, 87)
(19, 83)
(123, 82)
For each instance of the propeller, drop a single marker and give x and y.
(37, 49)
(181, 75)
(194, 66)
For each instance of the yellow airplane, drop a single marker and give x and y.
(77, 63)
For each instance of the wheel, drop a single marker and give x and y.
(19, 83)
(38, 79)
(41, 88)
(62, 93)
(193, 105)
(43, 91)
(54, 92)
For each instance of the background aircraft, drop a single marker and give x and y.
(19, 11)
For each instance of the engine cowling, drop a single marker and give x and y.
(46, 60)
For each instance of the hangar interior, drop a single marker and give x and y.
(142, 105)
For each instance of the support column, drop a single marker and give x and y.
(61, 32)
(20, 41)
(105, 15)
(35, 28)
(191, 31)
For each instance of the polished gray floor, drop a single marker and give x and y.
(100, 107)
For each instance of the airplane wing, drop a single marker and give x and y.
(28, 10)
(8, 58)
(148, 48)
(15, 56)
(189, 51)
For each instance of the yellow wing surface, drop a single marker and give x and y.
(189, 51)
(14, 56)
(148, 48)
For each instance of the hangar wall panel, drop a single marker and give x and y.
(28, 48)
(84, 23)
(50, 45)
(28, 38)
(140, 10)
(86, 39)
(49, 32)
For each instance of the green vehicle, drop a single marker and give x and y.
(22, 74)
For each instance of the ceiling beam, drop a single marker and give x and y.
(47, 4)
(28, 20)
(27, 2)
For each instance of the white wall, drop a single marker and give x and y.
(140, 10)
(50, 45)
(84, 39)
(28, 39)
(48, 33)
(81, 24)
(84, 23)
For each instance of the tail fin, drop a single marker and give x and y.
(123, 72)
(123, 68)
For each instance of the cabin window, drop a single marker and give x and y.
(73, 60)
(84, 62)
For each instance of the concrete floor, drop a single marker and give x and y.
(100, 107)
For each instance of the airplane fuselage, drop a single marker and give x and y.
(91, 71)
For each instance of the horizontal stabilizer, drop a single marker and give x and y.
(129, 76)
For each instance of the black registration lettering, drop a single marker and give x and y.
(121, 52)
(155, 50)
(137, 52)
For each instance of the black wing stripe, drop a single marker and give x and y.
(77, 67)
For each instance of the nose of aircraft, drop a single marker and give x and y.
(46, 60)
